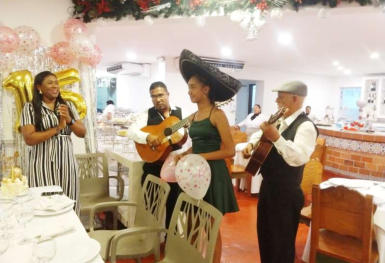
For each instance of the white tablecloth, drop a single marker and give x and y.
(377, 189)
(21, 252)
(239, 160)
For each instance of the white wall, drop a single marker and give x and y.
(133, 92)
(178, 88)
(45, 16)
(322, 90)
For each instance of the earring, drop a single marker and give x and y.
(40, 92)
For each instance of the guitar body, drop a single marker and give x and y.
(264, 146)
(160, 152)
(259, 155)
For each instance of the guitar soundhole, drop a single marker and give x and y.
(167, 132)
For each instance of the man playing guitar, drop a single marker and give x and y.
(154, 116)
(281, 198)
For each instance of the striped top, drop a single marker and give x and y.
(52, 162)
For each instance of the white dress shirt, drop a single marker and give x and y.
(110, 108)
(297, 152)
(251, 126)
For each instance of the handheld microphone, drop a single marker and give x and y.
(57, 113)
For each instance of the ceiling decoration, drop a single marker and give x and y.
(89, 10)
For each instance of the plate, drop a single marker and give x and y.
(52, 213)
(85, 250)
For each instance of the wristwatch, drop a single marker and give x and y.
(72, 122)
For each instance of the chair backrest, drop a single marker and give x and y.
(93, 173)
(319, 150)
(151, 205)
(345, 212)
(312, 174)
(193, 231)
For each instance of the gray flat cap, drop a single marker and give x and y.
(294, 87)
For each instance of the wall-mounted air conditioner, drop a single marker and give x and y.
(126, 68)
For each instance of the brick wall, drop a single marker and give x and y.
(355, 164)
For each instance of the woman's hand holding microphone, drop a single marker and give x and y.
(64, 117)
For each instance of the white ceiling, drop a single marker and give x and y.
(346, 34)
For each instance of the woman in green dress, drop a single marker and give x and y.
(210, 131)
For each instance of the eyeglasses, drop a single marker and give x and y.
(160, 96)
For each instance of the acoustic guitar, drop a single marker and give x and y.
(263, 147)
(168, 132)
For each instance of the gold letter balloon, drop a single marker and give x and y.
(20, 83)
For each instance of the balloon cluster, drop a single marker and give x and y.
(16, 42)
(24, 40)
(192, 173)
(78, 45)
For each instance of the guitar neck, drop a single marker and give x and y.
(179, 125)
(170, 130)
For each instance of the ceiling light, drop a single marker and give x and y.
(131, 55)
(336, 63)
(375, 55)
(285, 38)
(226, 51)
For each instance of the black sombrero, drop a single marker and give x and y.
(225, 86)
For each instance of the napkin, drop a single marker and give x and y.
(53, 203)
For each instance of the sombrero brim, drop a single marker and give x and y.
(225, 86)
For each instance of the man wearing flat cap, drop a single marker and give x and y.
(281, 198)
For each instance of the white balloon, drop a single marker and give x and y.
(193, 175)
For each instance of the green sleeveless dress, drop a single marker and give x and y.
(205, 138)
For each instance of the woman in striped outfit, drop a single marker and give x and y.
(46, 125)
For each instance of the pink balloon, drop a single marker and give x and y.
(193, 175)
(62, 53)
(93, 57)
(167, 172)
(29, 39)
(9, 40)
(7, 61)
(73, 27)
(81, 45)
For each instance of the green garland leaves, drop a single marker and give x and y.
(89, 10)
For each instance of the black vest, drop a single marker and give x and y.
(275, 169)
(155, 117)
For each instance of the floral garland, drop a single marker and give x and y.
(89, 10)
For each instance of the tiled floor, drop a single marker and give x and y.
(239, 234)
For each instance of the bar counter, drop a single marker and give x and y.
(354, 154)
